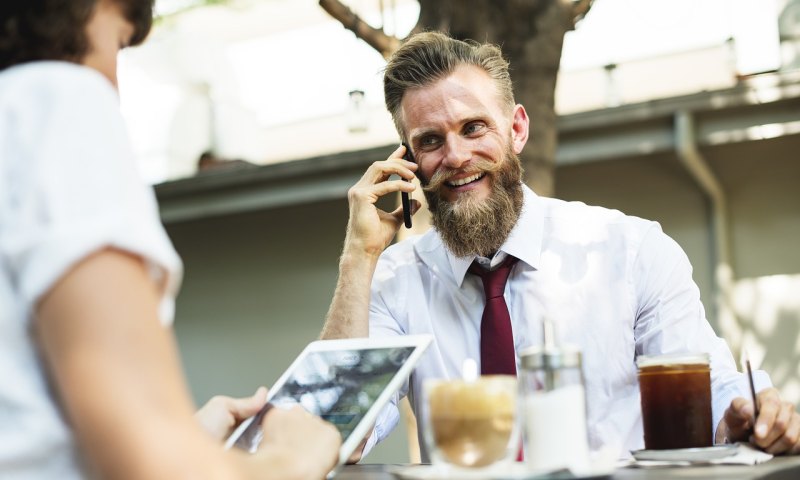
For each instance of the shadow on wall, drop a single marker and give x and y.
(769, 311)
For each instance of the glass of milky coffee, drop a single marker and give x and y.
(471, 423)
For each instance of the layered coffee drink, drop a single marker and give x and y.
(471, 423)
(676, 401)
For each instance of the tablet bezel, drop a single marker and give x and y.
(349, 444)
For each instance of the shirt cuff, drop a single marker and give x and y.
(384, 425)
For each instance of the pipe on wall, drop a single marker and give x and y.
(722, 264)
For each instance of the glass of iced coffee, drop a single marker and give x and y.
(676, 400)
(471, 423)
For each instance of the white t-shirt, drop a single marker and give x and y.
(615, 286)
(68, 187)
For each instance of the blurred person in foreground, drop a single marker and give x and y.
(614, 285)
(90, 380)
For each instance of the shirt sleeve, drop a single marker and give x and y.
(76, 188)
(383, 324)
(671, 318)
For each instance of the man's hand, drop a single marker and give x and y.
(370, 230)
(777, 429)
(220, 415)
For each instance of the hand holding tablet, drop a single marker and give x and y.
(346, 382)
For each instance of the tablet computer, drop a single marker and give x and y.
(346, 382)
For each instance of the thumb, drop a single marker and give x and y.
(242, 408)
(739, 418)
(416, 205)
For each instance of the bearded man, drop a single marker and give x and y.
(614, 285)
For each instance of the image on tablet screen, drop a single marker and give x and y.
(338, 386)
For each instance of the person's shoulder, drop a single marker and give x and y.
(46, 82)
(402, 251)
(577, 221)
(580, 212)
(56, 73)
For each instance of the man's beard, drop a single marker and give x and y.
(470, 226)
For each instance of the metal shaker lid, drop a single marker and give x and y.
(542, 358)
(550, 356)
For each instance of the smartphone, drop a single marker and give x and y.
(404, 195)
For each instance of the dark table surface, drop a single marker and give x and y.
(779, 468)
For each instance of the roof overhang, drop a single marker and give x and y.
(761, 107)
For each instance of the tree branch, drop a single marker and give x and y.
(375, 38)
(579, 9)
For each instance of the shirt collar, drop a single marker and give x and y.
(524, 241)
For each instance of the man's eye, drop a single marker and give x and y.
(429, 141)
(473, 128)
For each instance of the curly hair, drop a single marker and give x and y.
(56, 29)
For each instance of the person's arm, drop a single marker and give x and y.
(117, 375)
(671, 318)
(369, 232)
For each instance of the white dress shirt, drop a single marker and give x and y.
(68, 187)
(614, 285)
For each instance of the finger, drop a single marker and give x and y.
(398, 152)
(415, 206)
(775, 437)
(396, 216)
(793, 434)
(742, 410)
(380, 171)
(769, 407)
(387, 187)
(246, 407)
(738, 418)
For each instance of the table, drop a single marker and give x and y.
(779, 468)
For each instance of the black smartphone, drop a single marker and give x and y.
(404, 195)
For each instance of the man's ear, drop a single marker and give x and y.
(519, 128)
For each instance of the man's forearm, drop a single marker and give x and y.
(348, 316)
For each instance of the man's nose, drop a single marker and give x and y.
(456, 153)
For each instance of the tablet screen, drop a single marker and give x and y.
(339, 386)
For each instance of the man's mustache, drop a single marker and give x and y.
(444, 174)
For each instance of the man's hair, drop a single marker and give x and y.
(430, 56)
(33, 30)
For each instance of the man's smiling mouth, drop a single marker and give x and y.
(463, 181)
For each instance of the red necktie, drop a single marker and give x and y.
(497, 339)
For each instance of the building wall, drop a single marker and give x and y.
(258, 285)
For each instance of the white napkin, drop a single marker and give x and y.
(744, 454)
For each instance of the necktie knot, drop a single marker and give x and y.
(494, 281)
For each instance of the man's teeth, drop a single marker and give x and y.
(464, 181)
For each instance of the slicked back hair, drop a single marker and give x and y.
(428, 57)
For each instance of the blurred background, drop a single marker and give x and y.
(252, 118)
